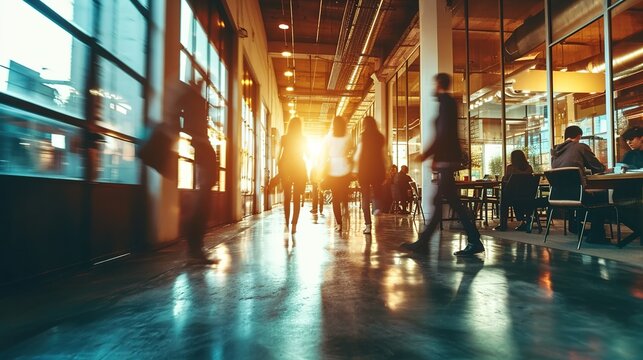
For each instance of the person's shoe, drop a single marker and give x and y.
(313, 211)
(471, 249)
(293, 228)
(500, 228)
(201, 259)
(522, 227)
(415, 247)
(367, 229)
(338, 228)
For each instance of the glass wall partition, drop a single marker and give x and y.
(200, 58)
(526, 123)
(76, 87)
(627, 69)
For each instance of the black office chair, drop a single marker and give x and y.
(567, 191)
(521, 190)
(416, 202)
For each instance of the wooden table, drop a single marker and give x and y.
(619, 181)
(480, 188)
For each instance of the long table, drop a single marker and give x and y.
(633, 180)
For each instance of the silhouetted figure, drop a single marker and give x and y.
(402, 188)
(371, 168)
(447, 158)
(573, 153)
(337, 147)
(193, 107)
(629, 199)
(389, 183)
(519, 165)
(292, 170)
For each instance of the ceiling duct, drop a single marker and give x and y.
(566, 16)
(358, 20)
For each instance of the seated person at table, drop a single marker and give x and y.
(628, 199)
(634, 139)
(402, 188)
(573, 153)
(519, 165)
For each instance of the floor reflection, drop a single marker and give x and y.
(323, 294)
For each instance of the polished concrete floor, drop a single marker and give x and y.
(323, 295)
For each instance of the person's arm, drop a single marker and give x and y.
(591, 162)
(508, 172)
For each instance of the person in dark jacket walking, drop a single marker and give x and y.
(447, 158)
(371, 167)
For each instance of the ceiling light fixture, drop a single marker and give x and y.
(284, 26)
(291, 104)
(289, 72)
(286, 53)
(290, 88)
(292, 111)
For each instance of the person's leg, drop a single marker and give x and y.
(596, 233)
(422, 245)
(504, 214)
(365, 188)
(205, 160)
(474, 245)
(298, 191)
(314, 194)
(287, 197)
(335, 187)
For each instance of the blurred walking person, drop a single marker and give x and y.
(337, 148)
(371, 168)
(292, 170)
(316, 193)
(447, 158)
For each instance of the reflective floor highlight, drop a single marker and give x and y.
(319, 294)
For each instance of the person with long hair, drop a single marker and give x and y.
(519, 165)
(337, 147)
(371, 167)
(292, 170)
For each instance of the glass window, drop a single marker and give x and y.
(567, 16)
(459, 85)
(118, 163)
(187, 29)
(35, 146)
(39, 61)
(400, 128)
(627, 72)
(485, 89)
(201, 49)
(79, 12)
(413, 116)
(121, 101)
(185, 67)
(392, 118)
(579, 87)
(122, 31)
(527, 126)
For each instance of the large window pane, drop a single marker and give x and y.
(118, 163)
(392, 118)
(201, 49)
(579, 87)
(566, 16)
(401, 130)
(527, 125)
(122, 31)
(36, 146)
(485, 107)
(459, 85)
(79, 12)
(413, 115)
(187, 26)
(627, 57)
(121, 101)
(39, 61)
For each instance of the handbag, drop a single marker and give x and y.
(159, 152)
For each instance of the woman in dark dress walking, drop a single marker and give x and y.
(292, 170)
(371, 168)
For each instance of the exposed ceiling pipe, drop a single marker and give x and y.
(566, 15)
(357, 30)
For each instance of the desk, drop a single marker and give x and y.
(622, 181)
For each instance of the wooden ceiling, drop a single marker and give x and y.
(317, 27)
